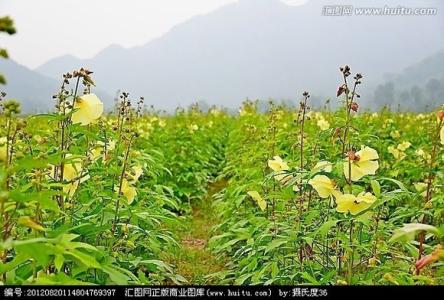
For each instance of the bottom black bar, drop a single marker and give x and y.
(222, 292)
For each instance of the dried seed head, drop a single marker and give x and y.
(352, 156)
(341, 90)
(354, 106)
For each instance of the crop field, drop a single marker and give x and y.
(292, 195)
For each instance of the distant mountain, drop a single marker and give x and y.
(53, 68)
(33, 89)
(262, 49)
(417, 87)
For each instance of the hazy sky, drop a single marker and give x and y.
(51, 28)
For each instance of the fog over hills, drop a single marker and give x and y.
(262, 49)
(418, 87)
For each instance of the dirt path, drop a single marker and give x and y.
(193, 260)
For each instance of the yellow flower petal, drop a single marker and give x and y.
(404, 146)
(323, 124)
(277, 164)
(259, 200)
(137, 171)
(356, 172)
(356, 208)
(366, 165)
(128, 191)
(366, 197)
(323, 185)
(96, 153)
(350, 203)
(71, 171)
(397, 154)
(3, 153)
(88, 109)
(441, 133)
(344, 202)
(420, 186)
(279, 167)
(367, 153)
(70, 189)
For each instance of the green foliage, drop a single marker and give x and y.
(102, 200)
(301, 238)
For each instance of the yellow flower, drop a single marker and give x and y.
(441, 134)
(420, 152)
(193, 128)
(423, 154)
(365, 164)
(96, 153)
(397, 154)
(136, 173)
(3, 153)
(73, 175)
(323, 124)
(100, 149)
(72, 170)
(404, 146)
(39, 139)
(421, 188)
(323, 185)
(88, 109)
(395, 134)
(259, 200)
(322, 166)
(354, 204)
(279, 166)
(215, 111)
(128, 191)
(70, 189)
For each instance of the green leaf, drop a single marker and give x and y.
(309, 278)
(275, 244)
(58, 262)
(86, 259)
(241, 279)
(398, 183)
(274, 269)
(116, 275)
(325, 228)
(408, 231)
(376, 188)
